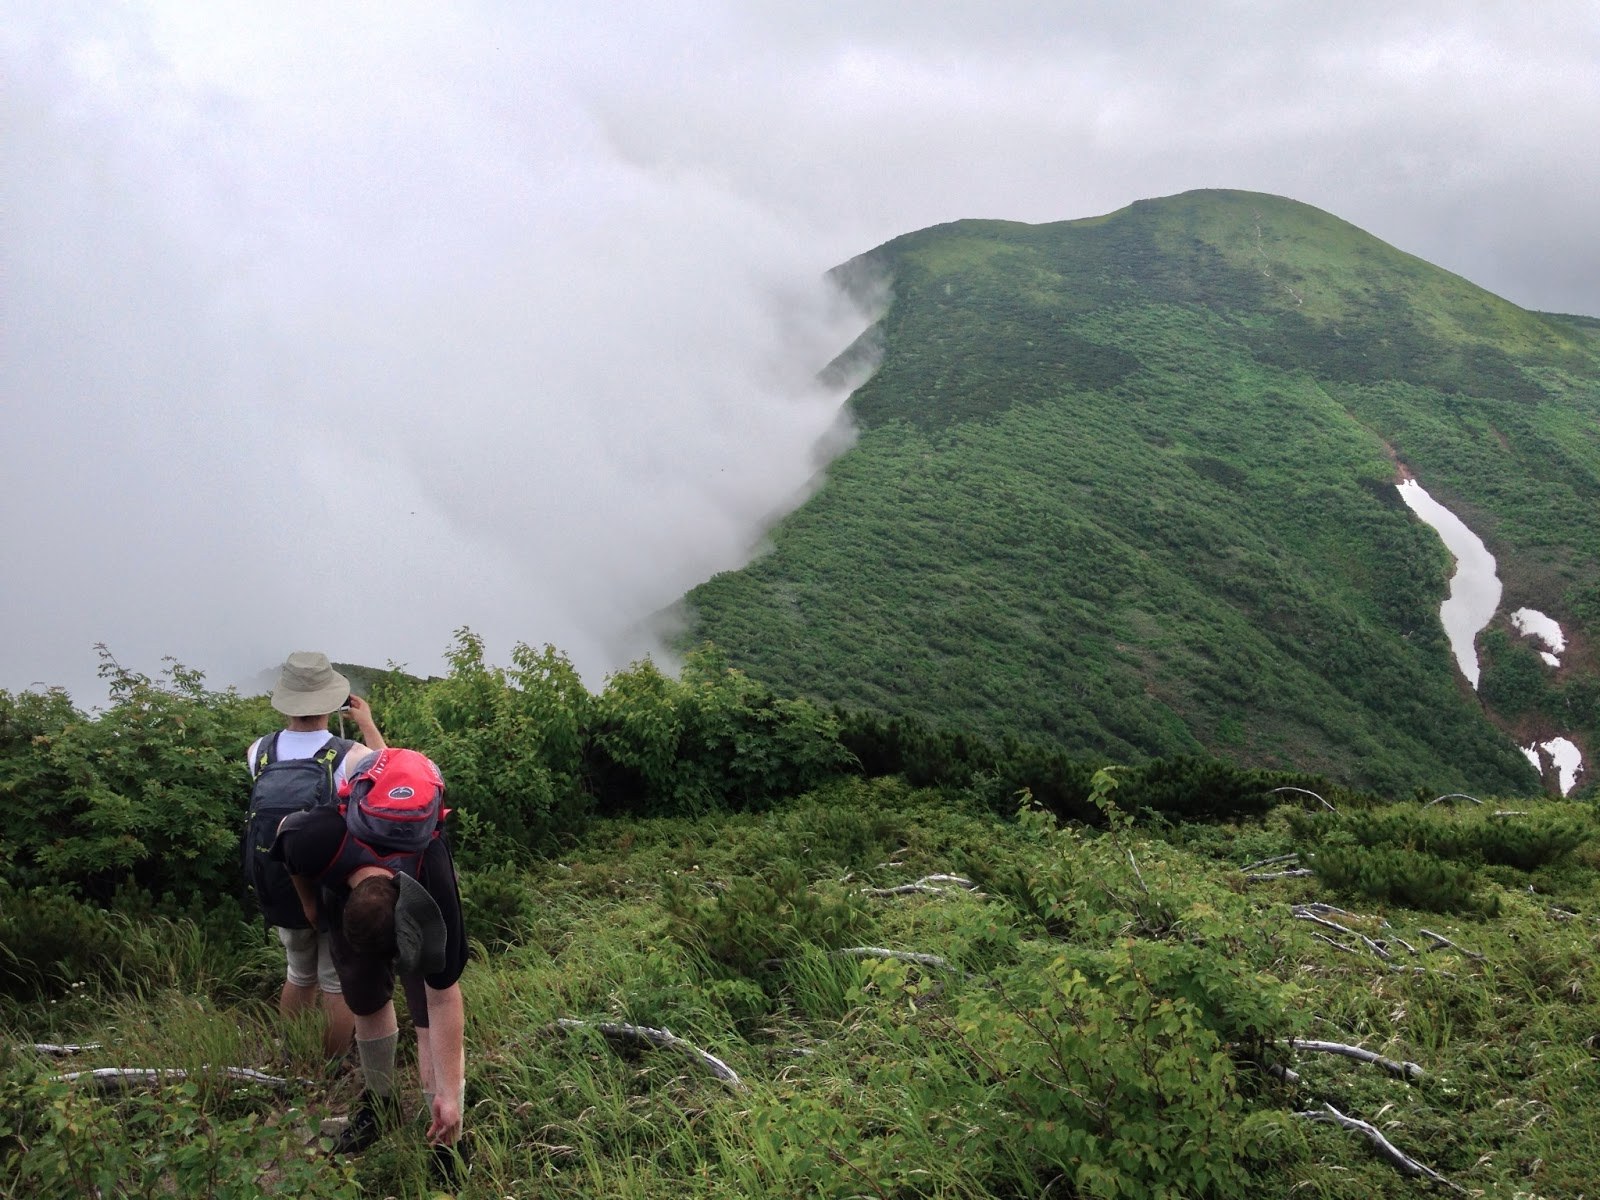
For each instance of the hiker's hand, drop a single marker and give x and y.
(361, 712)
(445, 1128)
(309, 907)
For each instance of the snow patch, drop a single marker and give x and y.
(1563, 755)
(1530, 622)
(1474, 588)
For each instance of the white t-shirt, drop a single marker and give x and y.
(298, 743)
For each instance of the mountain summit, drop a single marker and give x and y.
(1128, 484)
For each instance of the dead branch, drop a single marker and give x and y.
(1303, 913)
(663, 1039)
(1137, 874)
(910, 956)
(1267, 862)
(933, 885)
(1509, 812)
(1335, 942)
(1279, 1071)
(1440, 940)
(1305, 792)
(1452, 796)
(1386, 1149)
(115, 1078)
(958, 880)
(1405, 1070)
(1295, 873)
(907, 889)
(59, 1051)
(1332, 910)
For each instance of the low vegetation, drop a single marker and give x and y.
(895, 962)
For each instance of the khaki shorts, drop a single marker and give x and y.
(310, 959)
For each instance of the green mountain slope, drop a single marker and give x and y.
(1127, 483)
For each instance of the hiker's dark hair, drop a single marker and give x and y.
(369, 917)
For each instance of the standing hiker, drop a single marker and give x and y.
(298, 767)
(379, 873)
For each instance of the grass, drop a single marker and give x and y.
(1141, 947)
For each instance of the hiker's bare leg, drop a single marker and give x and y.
(377, 1025)
(297, 998)
(339, 1025)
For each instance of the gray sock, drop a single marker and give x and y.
(377, 1063)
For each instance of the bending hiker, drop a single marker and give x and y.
(301, 766)
(380, 873)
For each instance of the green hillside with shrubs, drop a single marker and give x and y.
(1127, 484)
(732, 943)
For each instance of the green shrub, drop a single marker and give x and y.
(509, 742)
(1471, 836)
(754, 920)
(498, 906)
(153, 789)
(1196, 789)
(50, 940)
(1405, 877)
(59, 1141)
(1114, 1086)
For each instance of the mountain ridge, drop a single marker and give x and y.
(1179, 425)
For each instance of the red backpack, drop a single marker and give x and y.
(394, 806)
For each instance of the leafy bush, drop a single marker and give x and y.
(151, 790)
(50, 940)
(509, 742)
(715, 740)
(62, 1142)
(1116, 1087)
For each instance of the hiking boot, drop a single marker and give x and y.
(446, 1164)
(371, 1117)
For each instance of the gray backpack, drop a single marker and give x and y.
(283, 786)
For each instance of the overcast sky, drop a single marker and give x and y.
(339, 326)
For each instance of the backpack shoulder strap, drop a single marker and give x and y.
(266, 750)
(333, 750)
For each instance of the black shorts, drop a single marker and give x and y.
(369, 982)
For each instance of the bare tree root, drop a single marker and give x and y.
(1405, 1070)
(1440, 940)
(933, 885)
(1305, 912)
(1386, 1149)
(1269, 862)
(51, 1049)
(110, 1079)
(661, 1039)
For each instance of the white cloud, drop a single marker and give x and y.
(343, 326)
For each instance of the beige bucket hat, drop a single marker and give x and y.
(308, 686)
